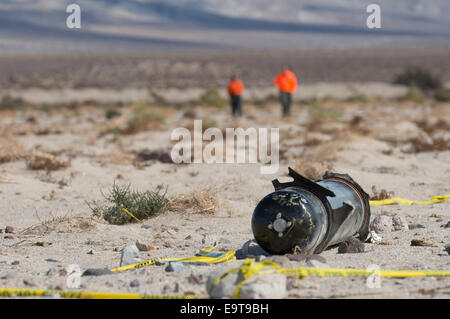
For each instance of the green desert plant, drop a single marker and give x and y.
(442, 95)
(212, 97)
(142, 205)
(420, 78)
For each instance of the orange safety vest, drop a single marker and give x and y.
(235, 87)
(286, 82)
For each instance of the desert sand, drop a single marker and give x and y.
(399, 146)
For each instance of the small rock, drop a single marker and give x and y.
(447, 225)
(188, 237)
(399, 223)
(130, 255)
(447, 248)
(42, 244)
(422, 242)
(196, 279)
(92, 252)
(144, 247)
(400, 281)
(382, 224)
(175, 266)
(50, 260)
(135, 283)
(29, 282)
(55, 270)
(9, 230)
(415, 226)
(351, 246)
(250, 249)
(96, 272)
(269, 286)
(15, 262)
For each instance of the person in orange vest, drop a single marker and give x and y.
(235, 90)
(287, 85)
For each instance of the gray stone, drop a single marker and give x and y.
(92, 252)
(135, 283)
(96, 272)
(55, 271)
(130, 255)
(415, 226)
(175, 266)
(351, 246)
(447, 248)
(399, 223)
(382, 224)
(9, 230)
(268, 286)
(250, 249)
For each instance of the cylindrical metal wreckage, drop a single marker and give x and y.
(306, 217)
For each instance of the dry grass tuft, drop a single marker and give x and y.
(201, 201)
(10, 149)
(380, 194)
(312, 170)
(60, 224)
(43, 161)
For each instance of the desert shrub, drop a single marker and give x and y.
(143, 119)
(43, 161)
(442, 95)
(319, 114)
(413, 95)
(11, 103)
(158, 99)
(112, 113)
(212, 97)
(420, 78)
(358, 98)
(142, 205)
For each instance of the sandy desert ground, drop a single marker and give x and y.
(399, 146)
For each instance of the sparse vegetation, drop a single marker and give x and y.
(43, 161)
(143, 119)
(11, 103)
(142, 205)
(442, 95)
(10, 149)
(380, 194)
(201, 201)
(112, 113)
(419, 78)
(212, 97)
(413, 95)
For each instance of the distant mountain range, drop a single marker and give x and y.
(132, 25)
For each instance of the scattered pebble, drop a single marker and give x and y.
(92, 252)
(382, 224)
(135, 283)
(399, 223)
(9, 230)
(50, 260)
(415, 226)
(97, 272)
(373, 238)
(422, 242)
(351, 246)
(144, 247)
(15, 262)
(130, 255)
(447, 248)
(175, 266)
(42, 244)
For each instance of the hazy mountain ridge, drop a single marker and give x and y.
(156, 23)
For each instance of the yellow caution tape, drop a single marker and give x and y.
(126, 211)
(224, 257)
(249, 268)
(402, 201)
(14, 292)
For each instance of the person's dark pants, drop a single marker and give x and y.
(236, 105)
(286, 100)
